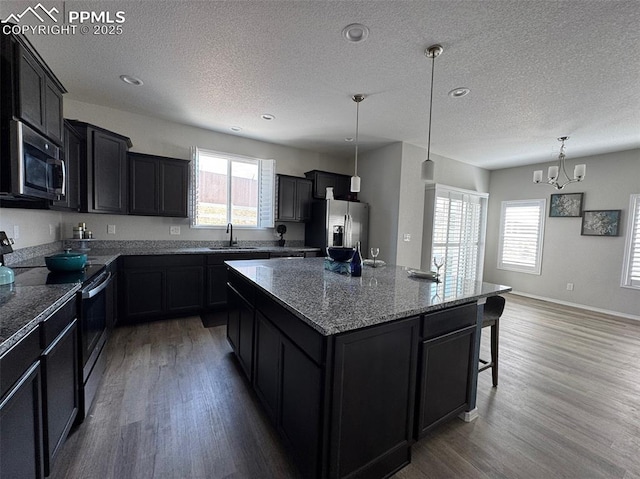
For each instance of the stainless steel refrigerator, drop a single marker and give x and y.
(338, 223)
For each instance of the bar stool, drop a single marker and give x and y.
(493, 309)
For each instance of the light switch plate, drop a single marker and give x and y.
(174, 230)
(111, 229)
(407, 237)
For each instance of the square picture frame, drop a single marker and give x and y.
(566, 205)
(600, 223)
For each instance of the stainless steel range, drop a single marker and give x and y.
(93, 321)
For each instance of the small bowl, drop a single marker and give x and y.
(66, 261)
(340, 253)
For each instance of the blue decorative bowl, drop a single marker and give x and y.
(66, 261)
(340, 253)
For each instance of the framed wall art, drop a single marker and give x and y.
(567, 205)
(600, 223)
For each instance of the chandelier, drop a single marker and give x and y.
(553, 174)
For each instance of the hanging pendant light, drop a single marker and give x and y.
(553, 174)
(427, 172)
(355, 179)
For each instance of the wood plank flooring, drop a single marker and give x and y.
(174, 404)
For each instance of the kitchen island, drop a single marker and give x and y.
(352, 371)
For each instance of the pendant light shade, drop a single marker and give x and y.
(427, 170)
(355, 179)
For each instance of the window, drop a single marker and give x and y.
(521, 234)
(631, 265)
(459, 223)
(231, 189)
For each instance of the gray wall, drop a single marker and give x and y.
(165, 138)
(593, 264)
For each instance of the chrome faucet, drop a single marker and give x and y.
(230, 230)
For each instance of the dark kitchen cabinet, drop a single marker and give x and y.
(158, 186)
(60, 379)
(72, 155)
(240, 324)
(103, 169)
(30, 90)
(446, 365)
(21, 454)
(216, 285)
(293, 198)
(155, 287)
(322, 179)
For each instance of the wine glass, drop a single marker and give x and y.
(374, 253)
(438, 262)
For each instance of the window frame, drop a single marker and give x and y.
(265, 219)
(542, 206)
(632, 243)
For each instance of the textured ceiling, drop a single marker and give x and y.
(537, 70)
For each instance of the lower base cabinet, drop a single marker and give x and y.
(240, 324)
(21, 428)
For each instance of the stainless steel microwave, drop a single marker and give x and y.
(34, 167)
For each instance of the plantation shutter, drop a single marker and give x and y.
(631, 275)
(266, 194)
(521, 235)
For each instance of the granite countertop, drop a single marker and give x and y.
(23, 307)
(332, 303)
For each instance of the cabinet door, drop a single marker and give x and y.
(174, 186)
(109, 174)
(300, 400)
(240, 329)
(216, 285)
(266, 379)
(233, 318)
(60, 391)
(53, 112)
(303, 200)
(287, 198)
(21, 428)
(446, 364)
(31, 90)
(184, 289)
(143, 293)
(320, 183)
(342, 189)
(143, 186)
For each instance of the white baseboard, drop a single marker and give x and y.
(468, 416)
(577, 305)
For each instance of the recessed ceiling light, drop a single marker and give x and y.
(131, 80)
(355, 32)
(459, 92)
(348, 139)
(267, 116)
(235, 128)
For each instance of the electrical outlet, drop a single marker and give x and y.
(16, 232)
(174, 230)
(407, 237)
(111, 229)
(569, 286)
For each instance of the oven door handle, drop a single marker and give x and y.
(101, 286)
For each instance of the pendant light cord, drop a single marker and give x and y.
(357, 128)
(433, 66)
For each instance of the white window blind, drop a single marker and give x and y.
(631, 265)
(229, 188)
(459, 231)
(521, 236)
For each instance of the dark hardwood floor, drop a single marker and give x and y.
(174, 404)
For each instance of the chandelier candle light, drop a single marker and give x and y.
(355, 179)
(427, 165)
(553, 174)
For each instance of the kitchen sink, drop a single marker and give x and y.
(234, 247)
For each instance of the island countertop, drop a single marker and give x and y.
(332, 303)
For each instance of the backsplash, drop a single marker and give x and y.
(32, 252)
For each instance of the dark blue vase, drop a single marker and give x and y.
(356, 262)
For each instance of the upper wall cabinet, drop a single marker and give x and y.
(322, 179)
(103, 169)
(158, 186)
(293, 198)
(30, 90)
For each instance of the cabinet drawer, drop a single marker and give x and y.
(448, 320)
(308, 339)
(55, 324)
(18, 359)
